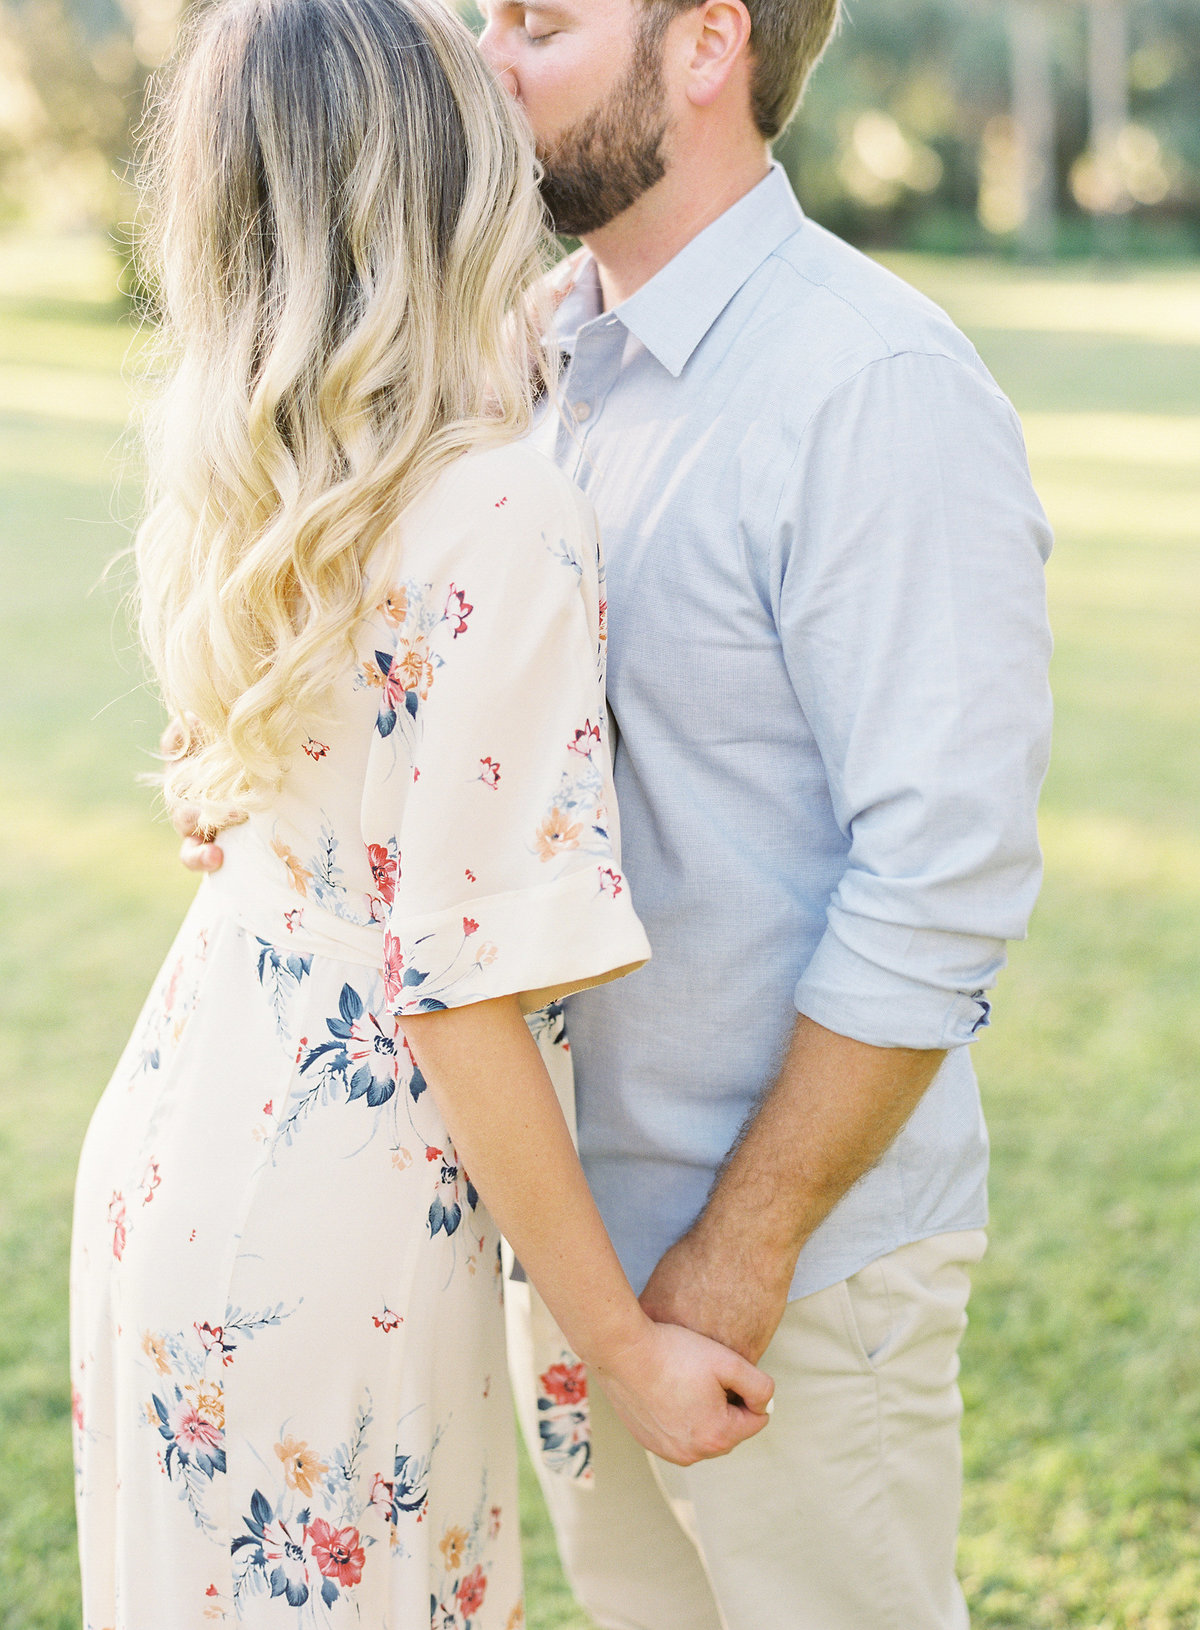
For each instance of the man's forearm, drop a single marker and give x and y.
(833, 1110)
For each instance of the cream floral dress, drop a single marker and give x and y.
(291, 1405)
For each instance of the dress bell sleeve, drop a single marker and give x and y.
(489, 802)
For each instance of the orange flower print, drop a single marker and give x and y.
(298, 876)
(412, 667)
(315, 749)
(209, 1402)
(302, 1471)
(516, 1619)
(155, 1348)
(556, 833)
(393, 608)
(453, 1545)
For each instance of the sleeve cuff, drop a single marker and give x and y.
(867, 997)
(540, 944)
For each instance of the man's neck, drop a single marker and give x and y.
(697, 189)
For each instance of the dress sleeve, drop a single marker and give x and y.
(491, 796)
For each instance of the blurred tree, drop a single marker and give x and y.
(928, 123)
(1032, 79)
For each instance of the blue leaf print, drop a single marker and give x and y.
(350, 1004)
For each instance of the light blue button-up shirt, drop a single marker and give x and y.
(827, 671)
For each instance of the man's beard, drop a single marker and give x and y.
(601, 165)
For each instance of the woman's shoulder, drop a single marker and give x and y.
(505, 497)
(511, 475)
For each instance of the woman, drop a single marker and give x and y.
(385, 619)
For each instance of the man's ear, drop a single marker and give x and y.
(719, 37)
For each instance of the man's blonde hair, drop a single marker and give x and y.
(787, 38)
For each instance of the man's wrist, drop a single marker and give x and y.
(766, 1249)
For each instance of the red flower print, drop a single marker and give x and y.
(385, 868)
(500, 502)
(470, 875)
(194, 1432)
(565, 1383)
(489, 772)
(294, 919)
(458, 610)
(150, 1182)
(470, 926)
(336, 1551)
(212, 1339)
(432, 1154)
(387, 1320)
(315, 749)
(77, 1408)
(471, 1591)
(494, 1522)
(211, 1591)
(585, 739)
(610, 881)
(116, 1216)
(393, 968)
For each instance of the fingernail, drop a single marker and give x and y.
(770, 1409)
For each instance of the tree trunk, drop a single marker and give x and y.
(1108, 109)
(1033, 121)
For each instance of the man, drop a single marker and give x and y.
(827, 671)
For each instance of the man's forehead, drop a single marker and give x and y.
(554, 10)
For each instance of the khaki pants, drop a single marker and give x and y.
(841, 1515)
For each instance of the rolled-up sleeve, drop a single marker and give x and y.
(911, 606)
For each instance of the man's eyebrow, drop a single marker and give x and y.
(544, 7)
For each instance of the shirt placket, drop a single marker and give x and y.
(585, 387)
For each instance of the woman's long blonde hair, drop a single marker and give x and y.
(345, 230)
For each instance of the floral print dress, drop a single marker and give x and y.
(291, 1405)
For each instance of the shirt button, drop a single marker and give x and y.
(582, 410)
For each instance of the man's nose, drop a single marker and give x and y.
(497, 60)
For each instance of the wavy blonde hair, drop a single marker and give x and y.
(345, 231)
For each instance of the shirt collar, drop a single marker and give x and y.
(673, 312)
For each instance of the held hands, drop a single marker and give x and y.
(675, 1392)
(733, 1299)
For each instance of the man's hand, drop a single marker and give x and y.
(199, 851)
(831, 1113)
(704, 1283)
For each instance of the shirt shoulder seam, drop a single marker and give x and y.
(893, 354)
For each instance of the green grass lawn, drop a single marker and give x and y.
(1082, 1365)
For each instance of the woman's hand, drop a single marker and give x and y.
(684, 1397)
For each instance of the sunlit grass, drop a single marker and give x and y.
(1082, 1366)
